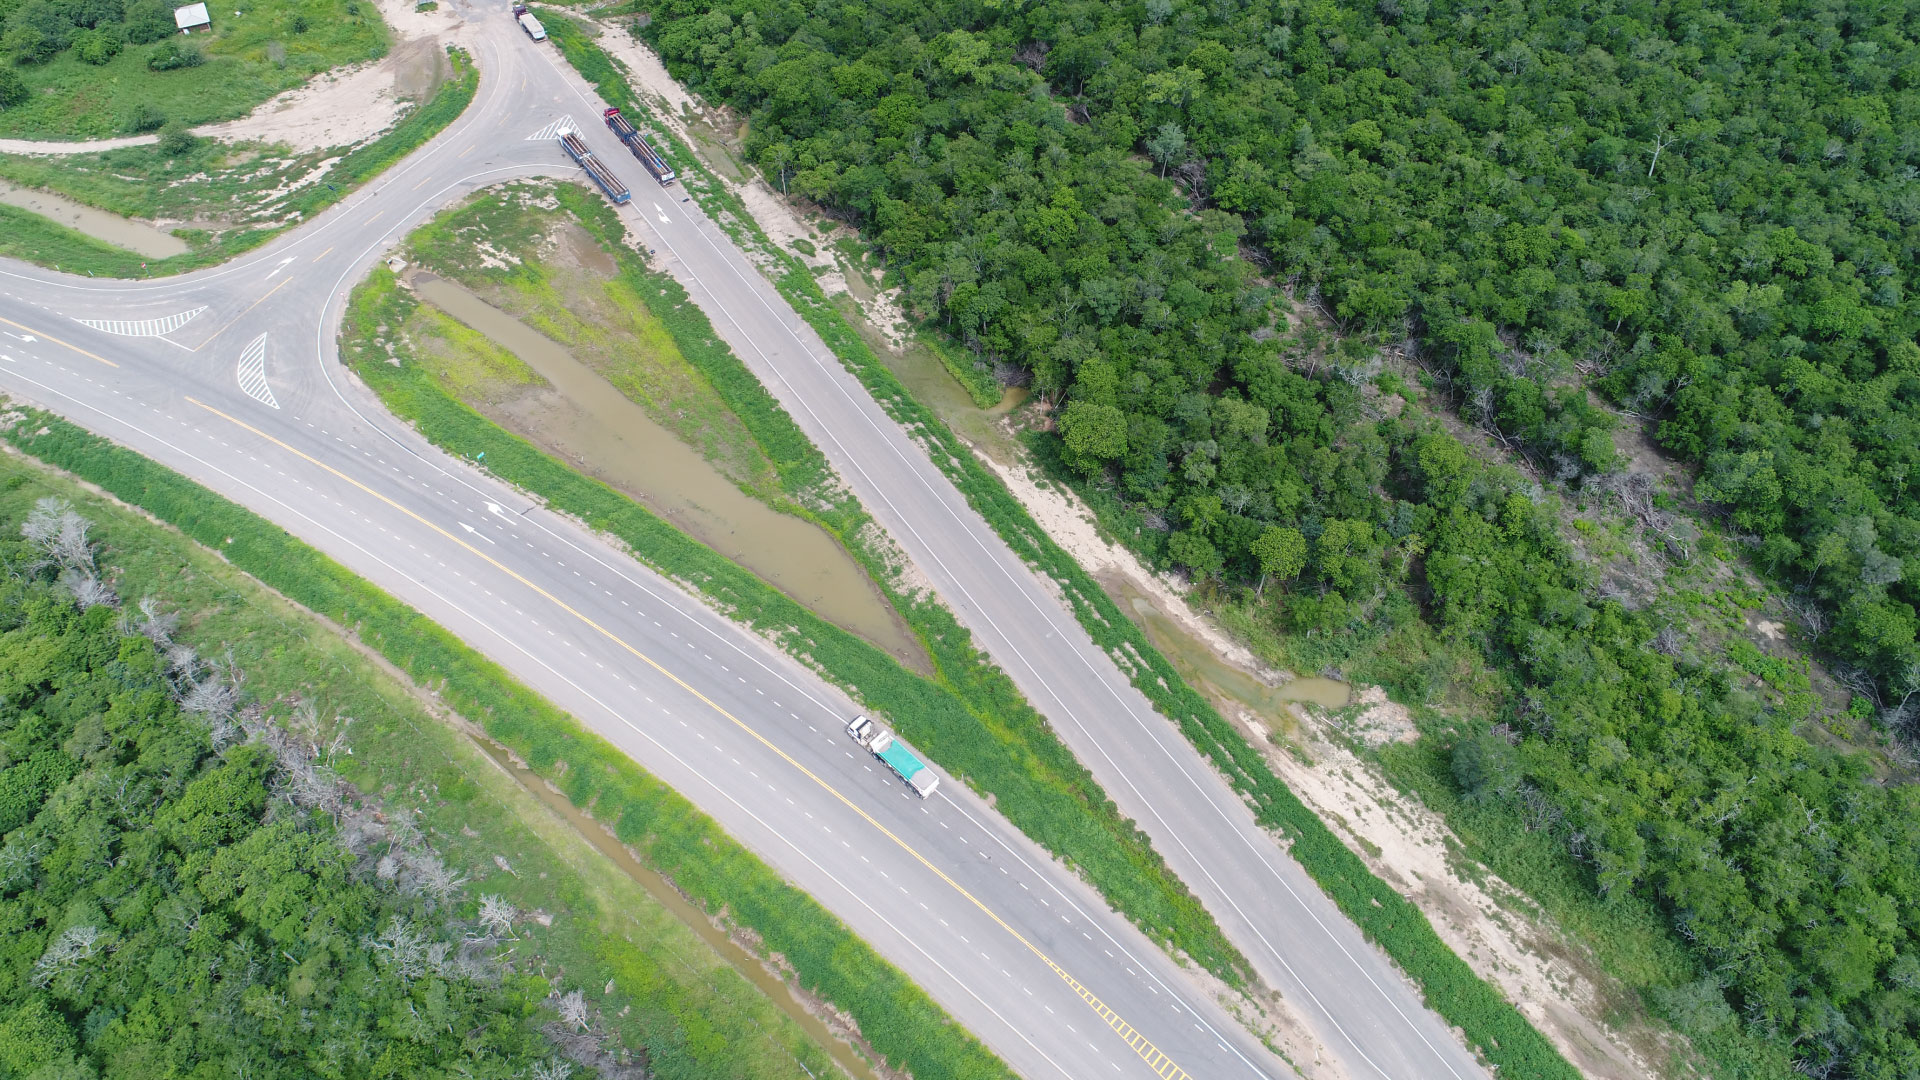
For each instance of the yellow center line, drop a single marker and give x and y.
(423, 183)
(375, 217)
(284, 282)
(1160, 1063)
(57, 341)
(469, 150)
(323, 254)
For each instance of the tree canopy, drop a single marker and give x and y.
(1702, 217)
(182, 895)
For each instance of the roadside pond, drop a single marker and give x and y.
(136, 236)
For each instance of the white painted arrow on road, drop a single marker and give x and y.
(662, 213)
(477, 533)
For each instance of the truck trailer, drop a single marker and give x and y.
(638, 145)
(528, 23)
(894, 754)
(576, 149)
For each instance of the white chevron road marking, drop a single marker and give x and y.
(252, 372)
(143, 327)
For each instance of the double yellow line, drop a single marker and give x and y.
(1159, 1062)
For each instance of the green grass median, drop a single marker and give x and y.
(1489, 1021)
(971, 719)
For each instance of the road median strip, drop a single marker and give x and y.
(970, 718)
(1490, 1023)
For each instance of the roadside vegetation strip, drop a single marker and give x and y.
(36, 239)
(669, 833)
(580, 921)
(1491, 1024)
(973, 721)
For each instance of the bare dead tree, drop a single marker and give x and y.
(60, 533)
(1811, 616)
(151, 623)
(1033, 54)
(497, 915)
(1661, 140)
(1667, 642)
(572, 1008)
(400, 949)
(75, 946)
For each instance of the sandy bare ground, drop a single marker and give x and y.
(32, 146)
(339, 108)
(353, 104)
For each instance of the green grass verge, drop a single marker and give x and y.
(972, 721)
(213, 179)
(1489, 1021)
(691, 1013)
(35, 239)
(257, 50)
(894, 1015)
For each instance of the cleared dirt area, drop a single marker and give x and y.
(353, 104)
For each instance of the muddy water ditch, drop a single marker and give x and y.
(607, 435)
(930, 383)
(1219, 680)
(136, 236)
(778, 990)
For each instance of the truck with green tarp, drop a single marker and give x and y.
(894, 754)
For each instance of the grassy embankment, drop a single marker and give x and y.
(669, 834)
(673, 997)
(270, 47)
(28, 236)
(970, 718)
(1488, 1020)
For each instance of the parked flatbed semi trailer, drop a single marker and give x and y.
(894, 754)
(638, 145)
(576, 149)
(529, 23)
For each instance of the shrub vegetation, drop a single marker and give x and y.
(1705, 218)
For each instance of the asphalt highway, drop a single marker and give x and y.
(231, 376)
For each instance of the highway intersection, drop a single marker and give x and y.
(231, 376)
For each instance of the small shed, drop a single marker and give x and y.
(192, 17)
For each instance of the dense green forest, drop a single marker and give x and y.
(186, 890)
(1700, 217)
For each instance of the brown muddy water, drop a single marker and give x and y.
(1206, 672)
(932, 385)
(136, 236)
(609, 436)
(657, 886)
